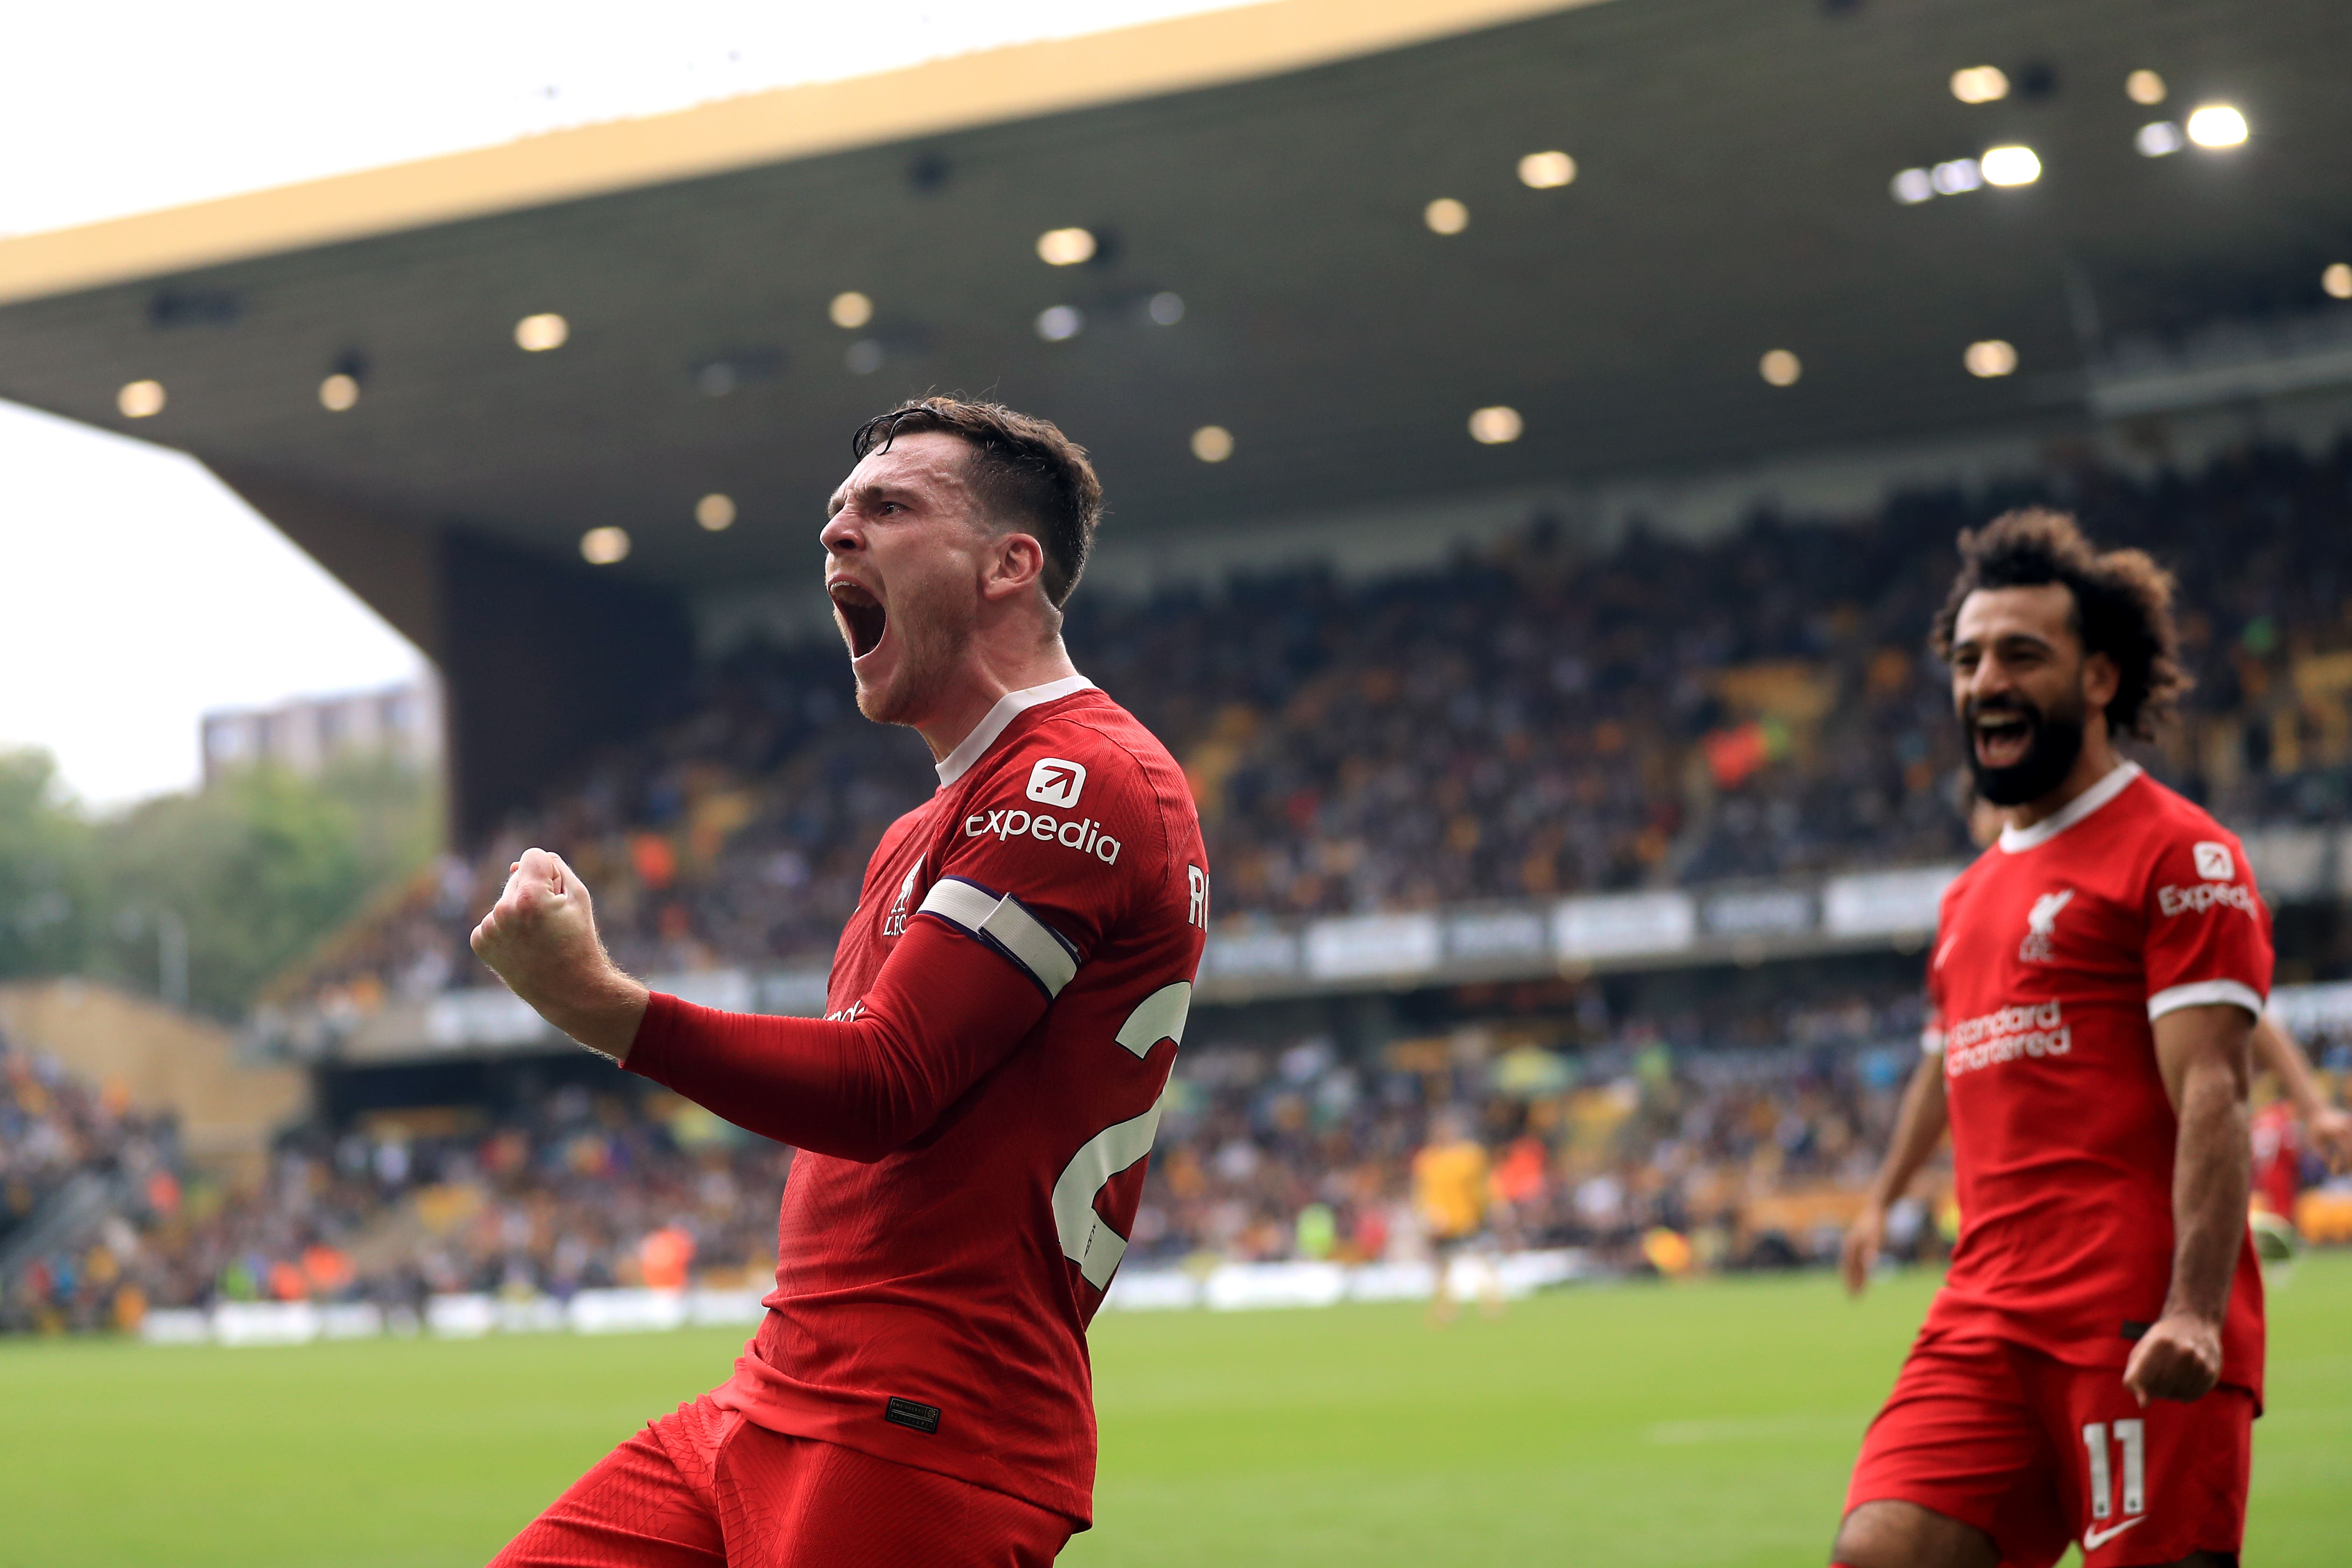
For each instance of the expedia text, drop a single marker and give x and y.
(1084, 835)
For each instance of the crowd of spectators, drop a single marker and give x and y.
(1748, 1131)
(1527, 720)
(578, 1190)
(56, 1129)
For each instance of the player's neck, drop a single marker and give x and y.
(2094, 761)
(991, 668)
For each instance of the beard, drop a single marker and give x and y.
(932, 630)
(2055, 740)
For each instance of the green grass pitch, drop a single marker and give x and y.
(1643, 1425)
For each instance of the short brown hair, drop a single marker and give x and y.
(1022, 467)
(2123, 605)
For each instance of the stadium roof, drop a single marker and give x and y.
(1270, 165)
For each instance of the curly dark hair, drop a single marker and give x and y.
(2123, 605)
(1022, 469)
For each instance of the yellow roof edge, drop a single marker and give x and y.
(1016, 83)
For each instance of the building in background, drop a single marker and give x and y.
(311, 734)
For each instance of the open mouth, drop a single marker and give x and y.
(862, 618)
(2003, 740)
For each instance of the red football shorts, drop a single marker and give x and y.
(2038, 1454)
(705, 1486)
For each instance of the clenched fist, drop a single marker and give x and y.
(2178, 1358)
(540, 938)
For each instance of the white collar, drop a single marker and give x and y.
(1009, 707)
(2016, 840)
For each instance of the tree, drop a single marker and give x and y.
(261, 868)
(257, 871)
(45, 870)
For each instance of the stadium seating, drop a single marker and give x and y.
(1749, 1132)
(1681, 1122)
(1527, 720)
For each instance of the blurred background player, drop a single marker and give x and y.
(974, 1113)
(1450, 1192)
(2092, 1368)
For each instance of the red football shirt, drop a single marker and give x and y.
(974, 1116)
(2054, 953)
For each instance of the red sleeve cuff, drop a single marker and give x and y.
(651, 1052)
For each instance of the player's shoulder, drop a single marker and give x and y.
(1090, 748)
(1968, 877)
(2168, 827)
(2159, 807)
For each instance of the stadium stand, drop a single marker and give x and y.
(1655, 1124)
(1749, 1132)
(1531, 720)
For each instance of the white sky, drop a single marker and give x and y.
(136, 592)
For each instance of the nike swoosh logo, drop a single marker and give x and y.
(2095, 1539)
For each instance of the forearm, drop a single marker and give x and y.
(2212, 1170)
(815, 1083)
(943, 1012)
(603, 1010)
(1918, 1128)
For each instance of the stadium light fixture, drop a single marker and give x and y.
(2337, 279)
(1496, 426)
(1065, 247)
(850, 309)
(1989, 358)
(537, 335)
(141, 399)
(863, 358)
(603, 547)
(715, 512)
(1058, 323)
(1913, 187)
(2216, 125)
(1779, 367)
(2144, 86)
(1960, 175)
(1980, 84)
(2159, 138)
(1546, 171)
(340, 393)
(1445, 215)
(2010, 166)
(1166, 308)
(1213, 443)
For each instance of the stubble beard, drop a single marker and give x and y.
(932, 638)
(2057, 742)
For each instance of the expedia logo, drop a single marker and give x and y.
(1084, 835)
(2202, 897)
(1056, 782)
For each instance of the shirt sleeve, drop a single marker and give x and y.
(1052, 855)
(941, 1013)
(2208, 931)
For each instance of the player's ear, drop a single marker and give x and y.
(2101, 679)
(1015, 565)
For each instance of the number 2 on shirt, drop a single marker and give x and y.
(1086, 1240)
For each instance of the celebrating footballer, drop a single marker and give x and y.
(974, 1113)
(2092, 1368)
